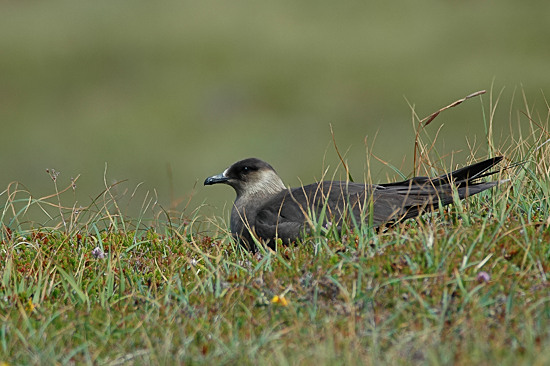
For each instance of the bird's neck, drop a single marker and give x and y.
(268, 186)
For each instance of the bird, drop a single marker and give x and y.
(266, 210)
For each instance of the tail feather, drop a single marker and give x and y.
(461, 177)
(420, 194)
(471, 172)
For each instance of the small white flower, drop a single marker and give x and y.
(98, 253)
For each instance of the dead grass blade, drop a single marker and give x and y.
(426, 121)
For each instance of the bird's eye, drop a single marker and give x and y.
(246, 169)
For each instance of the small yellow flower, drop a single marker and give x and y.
(29, 308)
(281, 300)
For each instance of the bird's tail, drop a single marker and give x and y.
(469, 174)
(466, 176)
(466, 180)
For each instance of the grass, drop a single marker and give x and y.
(465, 285)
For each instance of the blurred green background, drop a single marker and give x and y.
(169, 93)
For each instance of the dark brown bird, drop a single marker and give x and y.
(267, 209)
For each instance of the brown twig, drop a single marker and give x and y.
(426, 121)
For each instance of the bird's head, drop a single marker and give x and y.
(249, 177)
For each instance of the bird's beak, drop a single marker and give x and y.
(220, 178)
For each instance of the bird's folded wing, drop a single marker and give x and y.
(401, 202)
(280, 218)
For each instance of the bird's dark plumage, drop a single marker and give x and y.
(264, 207)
